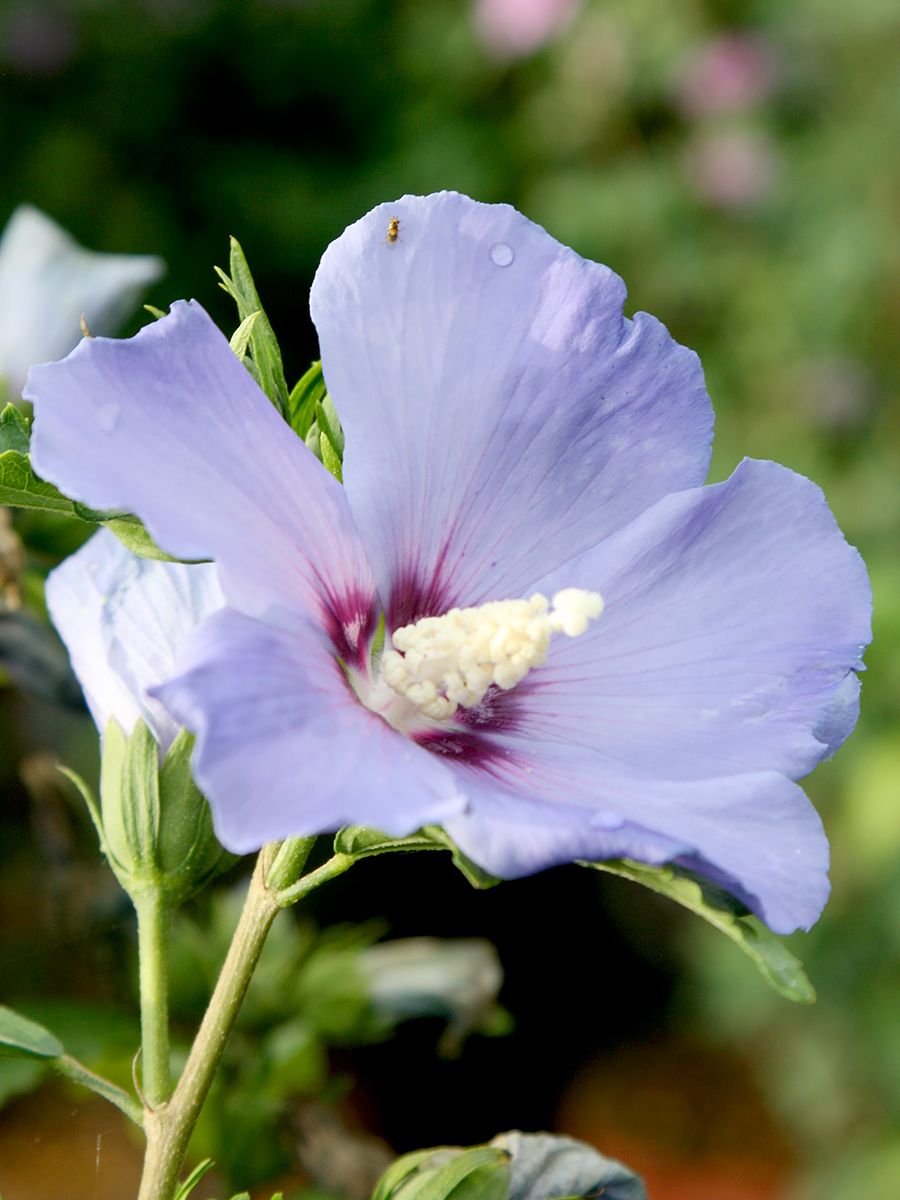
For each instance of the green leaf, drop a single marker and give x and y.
(478, 877)
(193, 1179)
(359, 841)
(14, 430)
(330, 426)
(240, 339)
(774, 961)
(480, 1173)
(330, 460)
(312, 416)
(21, 488)
(134, 537)
(263, 345)
(398, 1171)
(307, 395)
(24, 1038)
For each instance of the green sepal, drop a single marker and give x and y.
(156, 828)
(777, 965)
(358, 841)
(479, 1173)
(156, 313)
(129, 802)
(306, 396)
(189, 852)
(24, 1038)
(263, 349)
(91, 804)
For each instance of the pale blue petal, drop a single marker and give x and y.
(757, 833)
(169, 425)
(735, 620)
(283, 745)
(501, 414)
(123, 619)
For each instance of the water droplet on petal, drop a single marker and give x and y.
(502, 254)
(108, 417)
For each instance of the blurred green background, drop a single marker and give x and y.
(737, 164)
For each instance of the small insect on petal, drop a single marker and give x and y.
(393, 230)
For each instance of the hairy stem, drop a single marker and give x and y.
(169, 1126)
(335, 866)
(153, 929)
(285, 865)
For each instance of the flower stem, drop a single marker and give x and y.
(335, 866)
(153, 928)
(169, 1126)
(287, 862)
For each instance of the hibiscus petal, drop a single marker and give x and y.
(756, 834)
(48, 282)
(123, 619)
(735, 619)
(170, 426)
(285, 748)
(500, 413)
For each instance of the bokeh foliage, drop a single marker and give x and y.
(761, 229)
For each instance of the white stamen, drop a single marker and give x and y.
(442, 663)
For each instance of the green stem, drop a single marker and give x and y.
(73, 1069)
(153, 929)
(329, 870)
(287, 862)
(169, 1127)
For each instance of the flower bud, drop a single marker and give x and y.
(154, 822)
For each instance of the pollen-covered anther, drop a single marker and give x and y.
(443, 663)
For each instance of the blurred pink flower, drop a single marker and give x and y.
(733, 169)
(515, 28)
(37, 41)
(727, 74)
